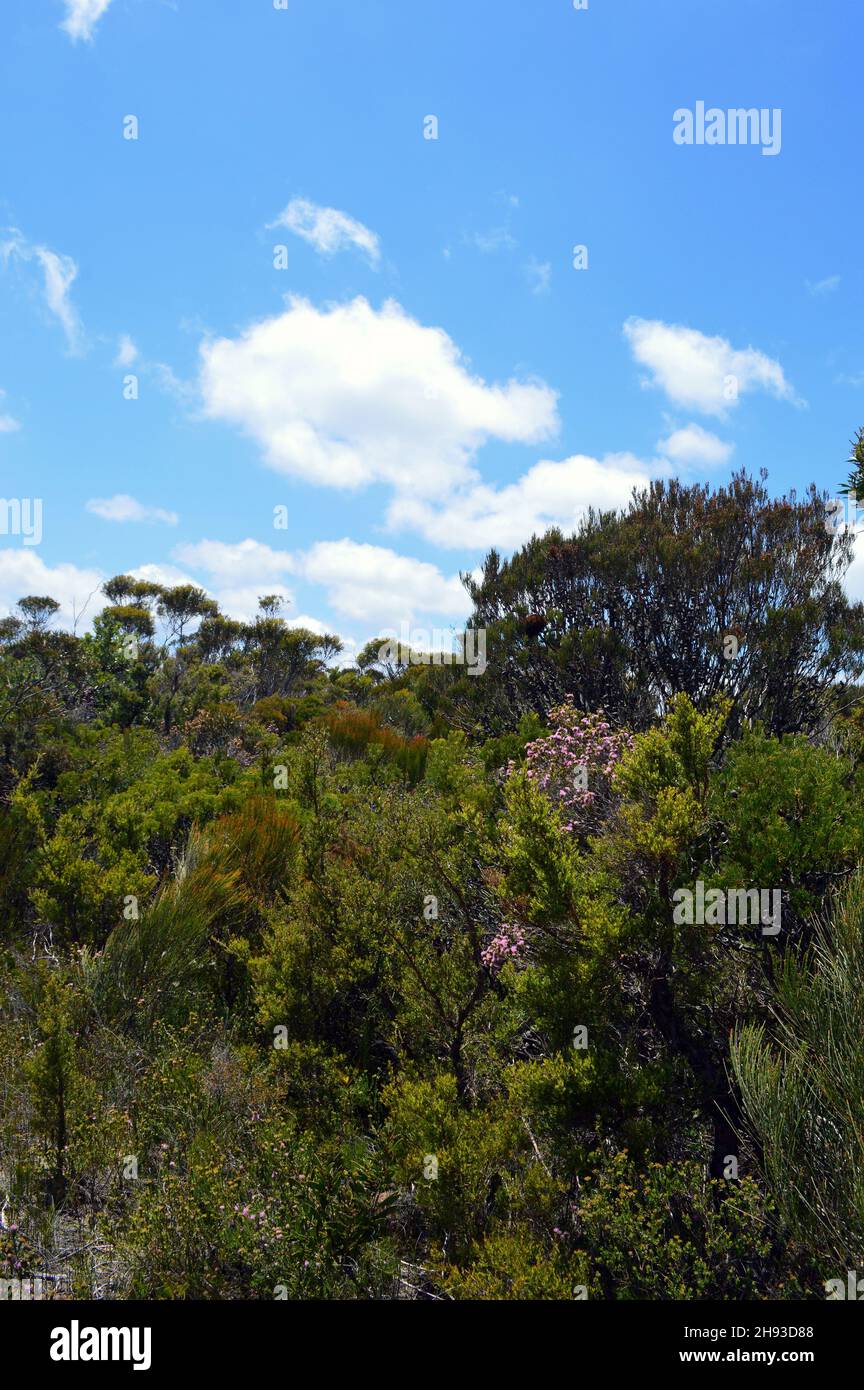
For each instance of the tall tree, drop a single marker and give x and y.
(690, 591)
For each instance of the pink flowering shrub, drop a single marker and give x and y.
(507, 945)
(574, 764)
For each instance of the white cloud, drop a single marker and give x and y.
(58, 275)
(23, 572)
(368, 583)
(238, 576)
(239, 573)
(853, 581)
(549, 494)
(82, 16)
(371, 584)
(122, 507)
(327, 229)
(60, 272)
(127, 352)
(244, 560)
(315, 625)
(169, 576)
(702, 373)
(241, 602)
(695, 445)
(349, 395)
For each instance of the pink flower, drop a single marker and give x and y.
(575, 763)
(508, 944)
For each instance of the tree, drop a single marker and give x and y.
(855, 482)
(689, 591)
(178, 607)
(383, 656)
(52, 1072)
(37, 612)
(124, 589)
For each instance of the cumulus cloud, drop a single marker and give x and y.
(695, 445)
(327, 229)
(549, 494)
(169, 576)
(370, 584)
(239, 573)
(24, 572)
(237, 576)
(58, 275)
(853, 581)
(237, 562)
(240, 602)
(377, 586)
(122, 507)
(365, 582)
(315, 625)
(82, 16)
(350, 395)
(702, 373)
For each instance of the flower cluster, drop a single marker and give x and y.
(574, 764)
(257, 1219)
(507, 945)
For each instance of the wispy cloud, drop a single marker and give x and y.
(497, 239)
(122, 507)
(539, 275)
(820, 287)
(328, 229)
(127, 352)
(58, 275)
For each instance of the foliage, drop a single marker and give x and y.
(343, 981)
(802, 1081)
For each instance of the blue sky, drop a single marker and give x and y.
(428, 375)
